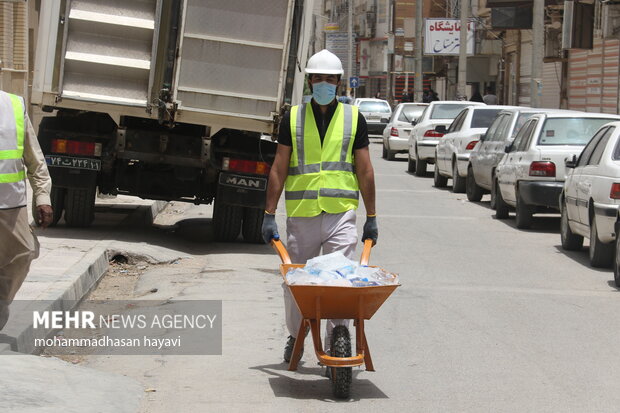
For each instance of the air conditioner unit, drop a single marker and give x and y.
(553, 43)
(610, 21)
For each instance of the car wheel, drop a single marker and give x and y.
(601, 255)
(523, 218)
(570, 241)
(617, 258)
(420, 167)
(384, 155)
(474, 192)
(493, 198)
(410, 164)
(501, 208)
(439, 180)
(458, 183)
(391, 155)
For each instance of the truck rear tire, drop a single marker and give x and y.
(226, 221)
(253, 225)
(80, 207)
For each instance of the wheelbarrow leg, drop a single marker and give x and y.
(299, 344)
(362, 344)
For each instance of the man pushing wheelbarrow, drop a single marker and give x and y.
(322, 162)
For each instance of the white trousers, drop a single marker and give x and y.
(305, 239)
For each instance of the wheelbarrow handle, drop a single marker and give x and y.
(366, 252)
(281, 250)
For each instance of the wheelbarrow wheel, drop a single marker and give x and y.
(341, 376)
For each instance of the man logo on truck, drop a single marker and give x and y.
(239, 181)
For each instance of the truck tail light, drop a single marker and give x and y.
(432, 133)
(394, 132)
(70, 147)
(244, 166)
(615, 191)
(471, 145)
(542, 169)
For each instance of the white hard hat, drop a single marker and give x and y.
(324, 62)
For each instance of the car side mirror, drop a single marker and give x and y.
(483, 137)
(414, 122)
(440, 128)
(571, 162)
(508, 148)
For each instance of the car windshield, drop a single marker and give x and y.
(409, 113)
(570, 131)
(447, 110)
(382, 107)
(483, 118)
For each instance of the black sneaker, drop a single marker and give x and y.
(288, 349)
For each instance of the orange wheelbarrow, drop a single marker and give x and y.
(316, 302)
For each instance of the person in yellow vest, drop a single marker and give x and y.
(19, 151)
(322, 162)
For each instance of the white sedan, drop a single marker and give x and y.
(590, 198)
(424, 138)
(531, 175)
(396, 133)
(453, 149)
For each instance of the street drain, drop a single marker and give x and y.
(119, 259)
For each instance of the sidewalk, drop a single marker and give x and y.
(66, 269)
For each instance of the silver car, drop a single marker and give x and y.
(485, 157)
(377, 112)
(396, 133)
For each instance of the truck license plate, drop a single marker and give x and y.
(245, 182)
(70, 162)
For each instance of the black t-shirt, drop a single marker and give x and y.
(322, 122)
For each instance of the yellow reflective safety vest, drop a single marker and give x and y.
(322, 178)
(12, 169)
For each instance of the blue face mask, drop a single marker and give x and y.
(323, 92)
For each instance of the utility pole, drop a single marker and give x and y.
(538, 43)
(462, 79)
(419, 77)
(350, 33)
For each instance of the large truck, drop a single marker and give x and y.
(167, 100)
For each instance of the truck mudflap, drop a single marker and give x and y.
(242, 190)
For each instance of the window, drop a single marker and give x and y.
(570, 131)
(447, 110)
(410, 113)
(597, 154)
(523, 117)
(522, 135)
(495, 126)
(381, 107)
(457, 122)
(502, 132)
(587, 151)
(482, 118)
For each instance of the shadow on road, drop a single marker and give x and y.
(540, 224)
(131, 224)
(581, 257)
(316, 388)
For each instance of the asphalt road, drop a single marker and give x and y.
(488, 317)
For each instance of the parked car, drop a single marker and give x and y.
(487, 154)
(590, 198)
(424, 138)
(396, 133)
(531, 176)
(377, 113)
(453, 149)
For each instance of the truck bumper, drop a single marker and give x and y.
(541, 193)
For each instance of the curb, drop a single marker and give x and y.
(76, 282)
